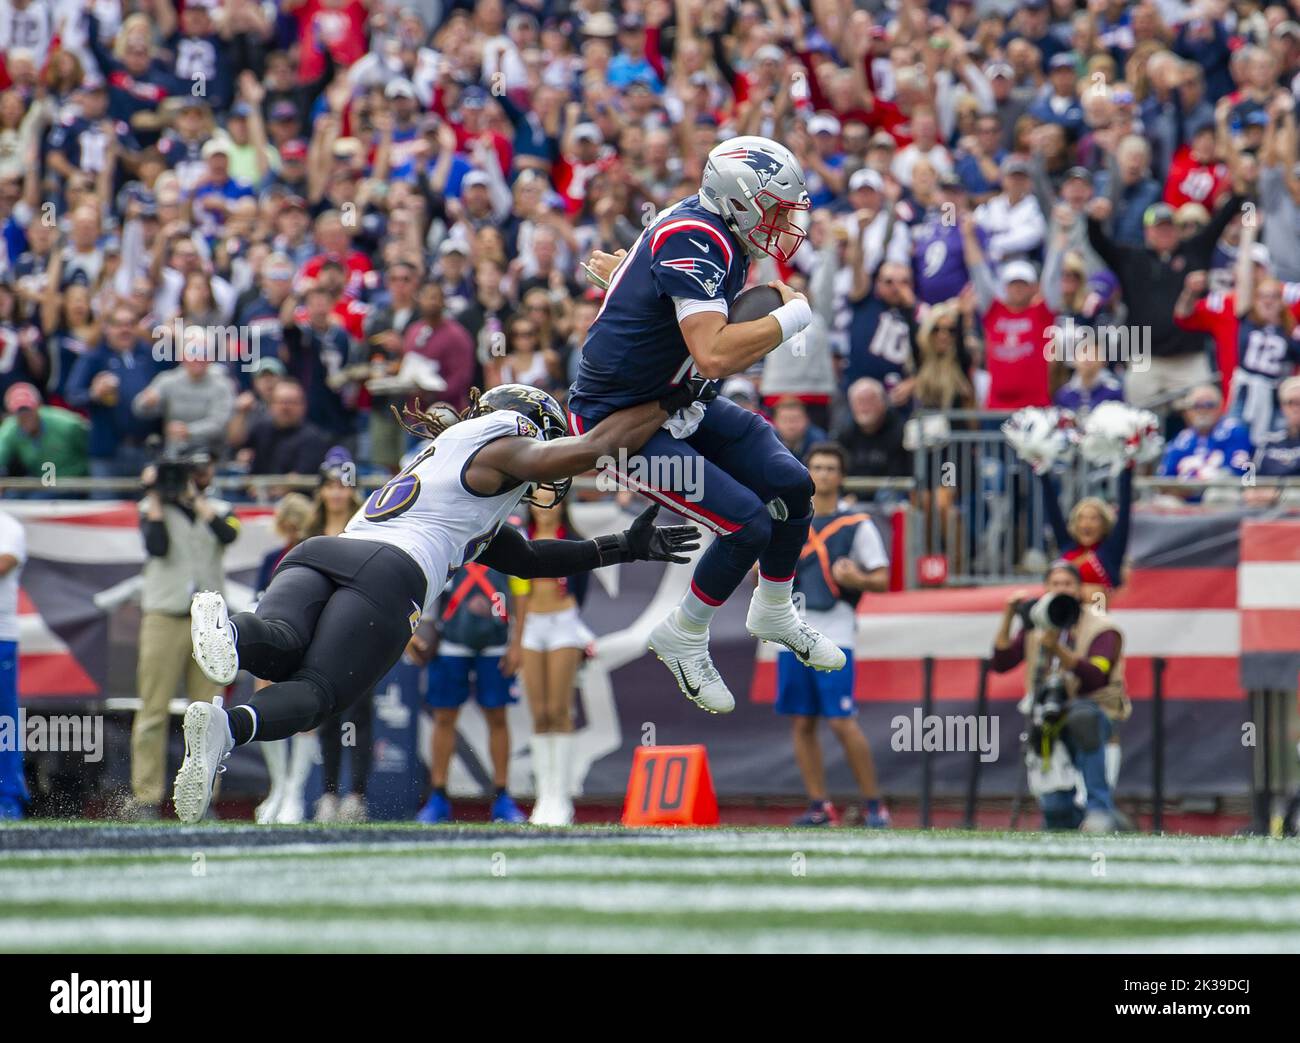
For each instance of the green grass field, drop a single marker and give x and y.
(385, 888)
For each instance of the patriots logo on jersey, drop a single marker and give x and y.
(703, 271)
(764, 165)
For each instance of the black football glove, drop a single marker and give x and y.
(692, 389)
(646, 541)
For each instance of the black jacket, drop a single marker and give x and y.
(876, 456)
(1151, 283)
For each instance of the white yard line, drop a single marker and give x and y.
(242, 933)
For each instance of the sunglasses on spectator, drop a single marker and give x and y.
(1205, 403)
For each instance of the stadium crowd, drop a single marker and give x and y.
(252, 227)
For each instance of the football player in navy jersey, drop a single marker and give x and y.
(663, 323)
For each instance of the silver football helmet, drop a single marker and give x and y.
(757, 187)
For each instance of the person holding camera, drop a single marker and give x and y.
(1074, 695)
(186, 534)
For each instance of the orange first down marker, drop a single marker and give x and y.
(670, 786)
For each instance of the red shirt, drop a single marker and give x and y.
(450, 345)
(1193, 182)
(1216, 314)
(357, 264)
(1015, 349)
(342, 29)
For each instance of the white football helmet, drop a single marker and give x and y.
(757, 187)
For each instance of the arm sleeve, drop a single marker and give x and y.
(1052, 265)
(1201, 245)
(225, 527)
(1116, 541)
(986, 285)
(1104, 245)
(510, 552)
(1052, 501)
(1004, 659)
(1094, 666)
(156, 542)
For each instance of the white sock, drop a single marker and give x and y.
(562, 761)
(773, 592)
(693, 614)
(302, 755)
(1113, 756)
(276, 755)
(543, 758)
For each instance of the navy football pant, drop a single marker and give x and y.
(723, 478)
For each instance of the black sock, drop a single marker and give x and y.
(502, 791)
(241, 720)
(440, 791)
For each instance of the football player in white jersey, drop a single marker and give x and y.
(341, 609)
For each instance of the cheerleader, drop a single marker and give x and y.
(555, 642)
(292, 514)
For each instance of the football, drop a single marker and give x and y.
(754, 303)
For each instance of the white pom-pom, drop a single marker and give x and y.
(1115, 434)
(1040, 437)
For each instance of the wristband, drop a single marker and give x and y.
(613, 549)
(793, 316)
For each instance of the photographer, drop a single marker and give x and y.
(1074, 694)
(185, 537)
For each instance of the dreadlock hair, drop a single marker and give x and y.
(430, 423)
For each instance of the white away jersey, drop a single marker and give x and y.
(427, 511)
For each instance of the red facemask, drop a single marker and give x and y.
(782, 228)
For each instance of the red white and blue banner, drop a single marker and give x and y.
(1217, 596)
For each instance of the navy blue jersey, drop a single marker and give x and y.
(1266, 351)
(1279, 455)
(634, 351)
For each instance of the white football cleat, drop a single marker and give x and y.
(265, 813)
(780, 624)
(352, 808)
(213, 638)
(291, 811)
(208, 742)
(687, 657)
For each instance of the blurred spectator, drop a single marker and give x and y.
(1279, 454)
(194, 402)
(1129, 191)
(872, 436)
(796, 431)
(1090, 384)
(1012, 222)
(441, 338)
(40, 441)
(1151, 280)
(252, 406)
(1210, 446)
(283, 441)
(105, 382)
(1016, 325)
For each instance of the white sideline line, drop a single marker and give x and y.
(238, 934)
(775, 866)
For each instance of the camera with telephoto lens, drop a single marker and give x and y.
(175, 467)
(1054, 611)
